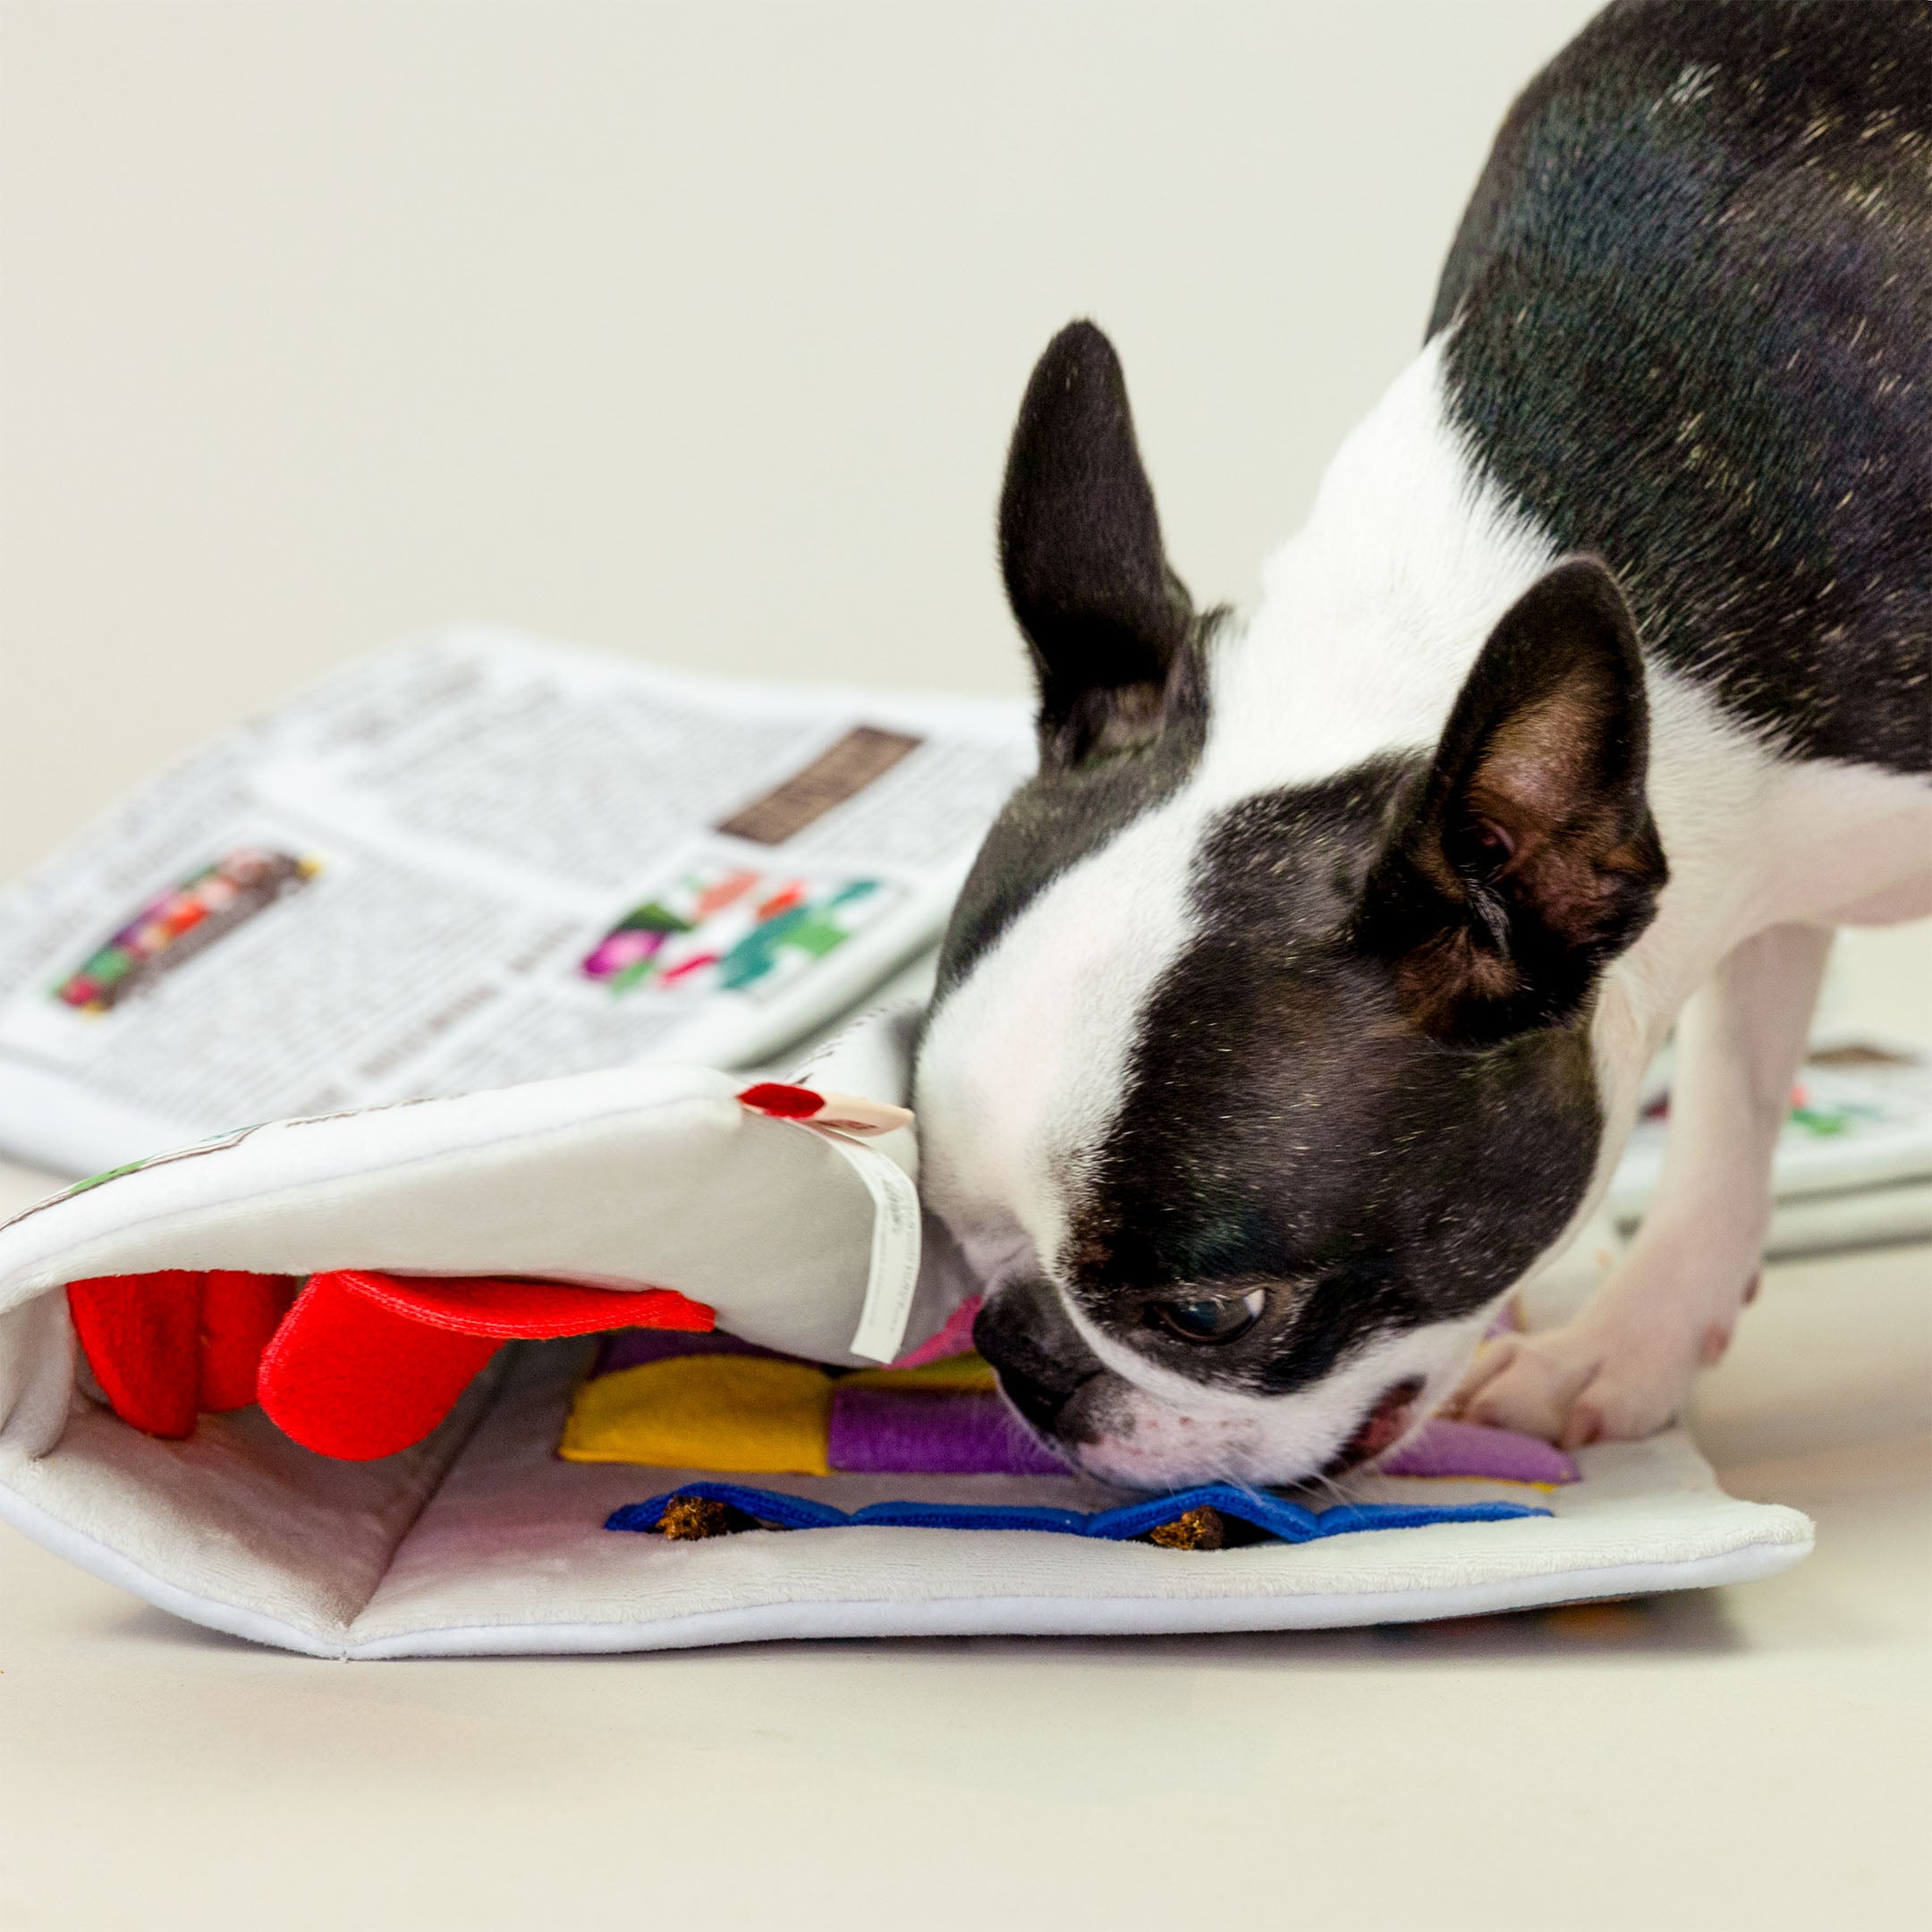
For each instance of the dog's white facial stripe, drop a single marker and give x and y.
(1026, 1062)
(1370, 620)
(1369, 626)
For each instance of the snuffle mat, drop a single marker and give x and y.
(601, 1364)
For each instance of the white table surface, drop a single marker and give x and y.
(1748, 1756)
(1755, 1755)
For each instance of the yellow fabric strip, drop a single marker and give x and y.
(736, 1413)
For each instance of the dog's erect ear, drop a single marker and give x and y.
(1081, 546)
(1528, 857)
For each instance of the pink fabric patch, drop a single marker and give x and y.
(954, 1339)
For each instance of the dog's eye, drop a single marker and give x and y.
(1210, 1320)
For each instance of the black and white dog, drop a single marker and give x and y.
(1299, 1006)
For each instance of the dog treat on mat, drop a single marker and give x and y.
(1201, 1528)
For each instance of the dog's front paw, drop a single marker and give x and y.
(1576, 1385)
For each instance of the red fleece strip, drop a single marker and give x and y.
(166, 1344)
(360, 1366)
(140, 1335)
(348, 1378)
(240, 1314)
(525, 1310)
(367, 1364)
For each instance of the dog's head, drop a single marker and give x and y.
(1249, 1110)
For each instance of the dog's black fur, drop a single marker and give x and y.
(1695, 345)
(1699, 344)
(1118, 651)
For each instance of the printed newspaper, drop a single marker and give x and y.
(475, 858)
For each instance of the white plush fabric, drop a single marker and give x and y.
(643, 1176)
(479, 1539)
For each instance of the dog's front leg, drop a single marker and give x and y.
(1623, 1366)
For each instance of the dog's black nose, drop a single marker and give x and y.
(1038, 1356)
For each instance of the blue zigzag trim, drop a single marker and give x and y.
(1289, 1523)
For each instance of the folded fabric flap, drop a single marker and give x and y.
(164, 1345)
(1290, 1521)
(633, 1179)
(1346, 1518)
(917, 1515)
(238, 1527)
(367, 1364)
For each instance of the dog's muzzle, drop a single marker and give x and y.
(1037, 1353)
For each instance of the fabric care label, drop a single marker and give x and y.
(893, 1273)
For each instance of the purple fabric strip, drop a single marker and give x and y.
(931, 1432)
(1473, 1449)
(964, 1432)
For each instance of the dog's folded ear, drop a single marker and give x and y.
(1107, 621)
(1528, 857)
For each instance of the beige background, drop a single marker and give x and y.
(696, 331)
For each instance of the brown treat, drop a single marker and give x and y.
(1197, 1529)
(688, 1519)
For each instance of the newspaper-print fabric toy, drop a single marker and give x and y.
(437, 1235)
